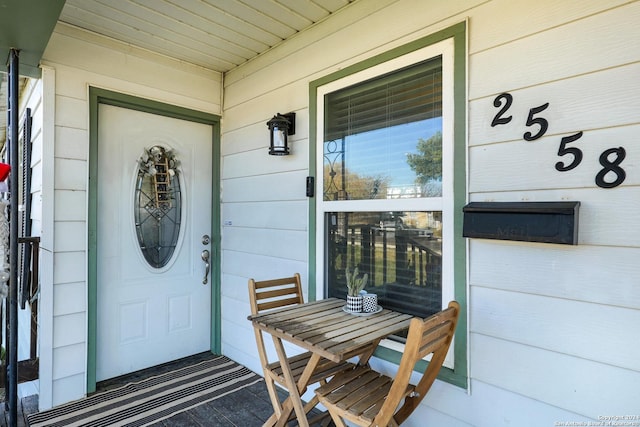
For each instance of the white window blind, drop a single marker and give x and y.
(372, 127)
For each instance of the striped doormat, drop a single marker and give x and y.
(153, 399)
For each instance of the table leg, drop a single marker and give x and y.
(363, 359)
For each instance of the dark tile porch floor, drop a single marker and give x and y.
(247, 407)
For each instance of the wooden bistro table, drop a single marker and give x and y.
(325, 329)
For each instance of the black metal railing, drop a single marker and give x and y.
(27, 369)
(404, 266)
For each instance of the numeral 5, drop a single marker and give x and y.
(543, 123)
(574, 151)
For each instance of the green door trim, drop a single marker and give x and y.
(102, 96)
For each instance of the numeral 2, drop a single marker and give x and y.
(508, 100)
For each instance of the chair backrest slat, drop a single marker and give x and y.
(436, 330)
(275, 293)
(276, 282)
(277, 304)
(432, 345)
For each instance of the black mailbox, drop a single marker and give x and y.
(544, 222)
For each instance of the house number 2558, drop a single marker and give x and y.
(610, 159)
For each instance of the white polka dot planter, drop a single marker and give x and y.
(369, 303)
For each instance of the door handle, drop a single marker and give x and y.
(205, 258)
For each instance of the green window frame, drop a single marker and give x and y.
(455, 38)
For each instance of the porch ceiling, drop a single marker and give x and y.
(218, 35)
(215, 34)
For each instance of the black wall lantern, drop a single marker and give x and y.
(280, 126)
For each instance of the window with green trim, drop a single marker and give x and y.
(385, 169)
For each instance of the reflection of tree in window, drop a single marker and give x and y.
(427, 165)
(353, 186)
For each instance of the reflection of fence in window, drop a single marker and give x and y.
(426, 261)
(404, 265)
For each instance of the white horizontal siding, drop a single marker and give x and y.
(243, 351)
(261, 267)
(497, 22)
(290, 244)
(288, 215)
(582, 386)
(71, 174)
(64, 355)
(560, 325)
(249, 137)
(70, 329)
(36, 223)
(284, 186)
(71, 143)
(234, 305)
(71, 237)
(484, 406)
(71, 205)
(534, 59)
(69, 275)
(235, 165)
(236, 288)
(69, 298)
(593, 274)
(68, 388)
(258, 110)
(36, 186)
(35, 103)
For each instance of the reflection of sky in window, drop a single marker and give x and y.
(383, 152)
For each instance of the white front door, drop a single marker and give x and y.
(146, 314)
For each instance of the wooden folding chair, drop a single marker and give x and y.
(368, 398)
(278, 293)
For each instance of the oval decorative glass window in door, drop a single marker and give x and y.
(157, 205)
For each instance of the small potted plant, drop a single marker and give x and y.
(355, 284)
